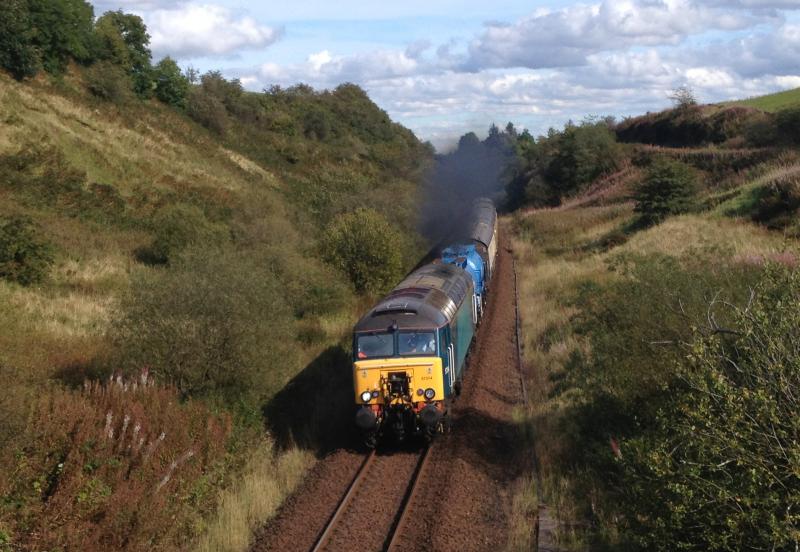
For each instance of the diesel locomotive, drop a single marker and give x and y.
(410, 350)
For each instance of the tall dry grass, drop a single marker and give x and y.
(268, 477)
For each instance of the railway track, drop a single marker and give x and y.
(337, 533)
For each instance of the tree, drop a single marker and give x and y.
(581, 154)
(668, 189)
(17, 53)
(123, 39)
(683, 97)
(367, 247)
(61, 30)
(171, 86)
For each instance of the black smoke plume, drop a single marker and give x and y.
(474, 169)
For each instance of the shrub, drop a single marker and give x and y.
(24, 257)
(215, 324)
(788, 123)
(171, 86)
(177, 227)
(207, 110)
(719, 472)
(668, 189)
(109, 82)
(367, 247)
(118, 465)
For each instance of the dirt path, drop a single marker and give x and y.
(465, 492)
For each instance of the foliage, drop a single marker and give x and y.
(215, 324)
(683, 97)
(177, 227)
(668, 189)
(62, 30)
(788, 124)
(123, 40)
(18, 55)
(720, 470)
(24, 257)
(564, 163)
(109, 82)
(112, 467)
(171, 86)
(367, 247)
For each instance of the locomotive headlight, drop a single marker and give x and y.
(375, 394)
(430, 393)
(366, 396)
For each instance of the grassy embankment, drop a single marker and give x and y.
(571, 260)
(265, 192)
(772, 102)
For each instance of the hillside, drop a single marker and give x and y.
(658, 295)
(138, 239)
(772, 102)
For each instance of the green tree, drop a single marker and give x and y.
(24, 257)
(171, 86)
(367, 247)
(122, 39)
(668, 189)
(61, 30)
(582, 153)
(17, 53)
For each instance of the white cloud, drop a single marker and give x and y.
(197, 30)
(566, 37)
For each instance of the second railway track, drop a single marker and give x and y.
(372, 512)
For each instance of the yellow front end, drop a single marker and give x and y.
(374, 374)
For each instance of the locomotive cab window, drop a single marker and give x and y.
(377, 345)
(417, 343)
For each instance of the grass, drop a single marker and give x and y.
(772, 102)
(554, 259)
(267, 479)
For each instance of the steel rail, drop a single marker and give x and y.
(411, 491)
(322, 540)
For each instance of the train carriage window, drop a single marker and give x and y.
(417, 343)
(376, 345)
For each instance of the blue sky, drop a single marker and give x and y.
(445, 67)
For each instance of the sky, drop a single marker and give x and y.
(447, 67)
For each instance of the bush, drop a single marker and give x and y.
(215, 324)
(367, 247)
(207, 110)
(788, 123)
(668, 189)
(24, 257)
(720, 471)
(177, 227)
(109, 82)
(171, 86)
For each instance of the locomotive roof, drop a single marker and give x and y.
(427, 298)
(484, 216)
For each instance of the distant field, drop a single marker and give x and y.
(773, 102)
